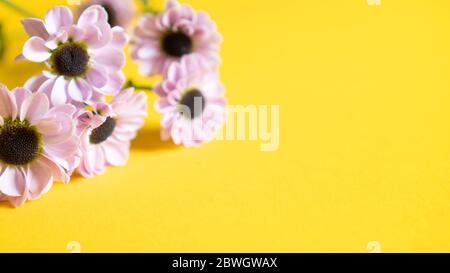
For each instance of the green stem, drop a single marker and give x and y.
(130, 83)
(17, 8)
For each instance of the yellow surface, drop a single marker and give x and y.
(364, 155)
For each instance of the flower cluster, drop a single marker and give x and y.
(183, 46)
(77, 115)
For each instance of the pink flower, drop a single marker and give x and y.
(107, 131)
(38, 144)
(171, 36)
(120, 12)
(192, 104)
(85, 59)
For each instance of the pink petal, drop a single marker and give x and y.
(49, 75)
(60, 38)
(12, 182)
(100, 163)
(48, 127)
(112, 58)
(76, 33)
(172, 4)
(21, 94)
(34, 108)
(67, 109)
(79, 90)
(35, 27)
(35, 82)
(98, 76)
(148, 52)
(40, 176)
(19, 57)
(175, 72)
(8, 107)
(57, 18)
(58, 93)
(58, 173)
(119, 37)
(116, 153)
(35, 50)
(92, 15)
(115, 82)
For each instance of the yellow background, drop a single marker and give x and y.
(364, 154)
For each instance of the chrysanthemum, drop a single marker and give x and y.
(178, 32)
(120, 12)
(85, 59)
(192, 104)
(38, 144)
(107, 131)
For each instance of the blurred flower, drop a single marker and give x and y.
(85, 59)
(178, 32)
(37, 144)
(120, 12)
(107, 131)
(192, 104)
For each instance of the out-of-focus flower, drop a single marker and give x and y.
(178, 32)
(192, 104)
(120, 12)
(107, 131)
(38, 144)
(85, 59)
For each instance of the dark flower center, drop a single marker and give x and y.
(195, 101)
(112, 18)
(177, 44)
(19, 143)
(102, 132)
(70, 59)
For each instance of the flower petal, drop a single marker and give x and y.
(97, 76)
(34, 108)
(58, 93)
(48, 127)
(79, 90)
(35, 50)
(12, 182)
(116, 153)
(35, 82)
(112, 58)
(115, 82)
(92, 15)
(35, 27)
(119, 37)
(40, 177)
(58, 17)
(8, 107)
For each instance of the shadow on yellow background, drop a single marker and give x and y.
(364, 153)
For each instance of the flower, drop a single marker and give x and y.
(38, 144)
(107, 131)
(120, 12)
(85, 60)
(178, 32)
(192, 104)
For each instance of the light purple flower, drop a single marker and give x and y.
(38, 145)
(85, 59)
(192, 104)
(176, 33)
(107, 131)
(120, 12)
